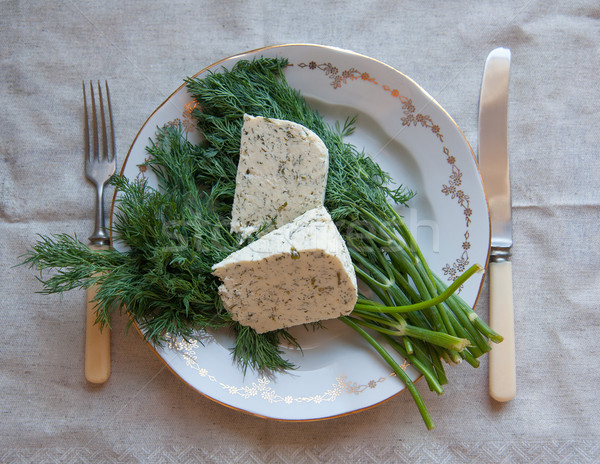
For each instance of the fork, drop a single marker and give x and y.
(100, 165)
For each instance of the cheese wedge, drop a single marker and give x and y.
(282, 173)
(299, 273)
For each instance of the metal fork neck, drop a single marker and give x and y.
(100, 237)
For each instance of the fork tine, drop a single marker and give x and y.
(104, 154)
(99, 165)
(86, 126)
(94, 125)
(112, 127)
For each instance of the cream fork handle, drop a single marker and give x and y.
(97, 342)
(502, 369)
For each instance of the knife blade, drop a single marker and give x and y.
(494, 167)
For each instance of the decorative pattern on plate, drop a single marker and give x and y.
(142, 167)
(353, 387)
(452, 190)
(187, 122)
(262, 386)
(412, 118)
(463, 200)
(337, 78)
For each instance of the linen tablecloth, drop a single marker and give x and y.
(144, 413)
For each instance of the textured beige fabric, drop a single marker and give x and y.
(145, 49)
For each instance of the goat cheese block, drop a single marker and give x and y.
(282, 173)
(299, 273)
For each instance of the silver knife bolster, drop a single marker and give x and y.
(500, 254)
(502, 241)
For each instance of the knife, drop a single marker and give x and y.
(494, 168)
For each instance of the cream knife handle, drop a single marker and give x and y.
(97, 342)
(503, 379)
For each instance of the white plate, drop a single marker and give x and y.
(415, 140)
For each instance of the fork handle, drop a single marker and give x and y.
(97, 342)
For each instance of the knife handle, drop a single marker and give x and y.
(97, 342)
(502, 374)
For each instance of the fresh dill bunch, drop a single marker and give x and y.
(74, 264)
(261, 351)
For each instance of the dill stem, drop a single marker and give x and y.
(441, 339)
(386, 242)
(377, 277)
(428, 355)
(472, 360)
(378, 328)
(476, 337)
(404, 285)
(423, 365)
(425, 304)
(461, 332)
(400, 258)
(436, 357)
(411, 242)
(408, 345)
(401, 328)
(397, 370)
(475, 321)
(381, 319)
